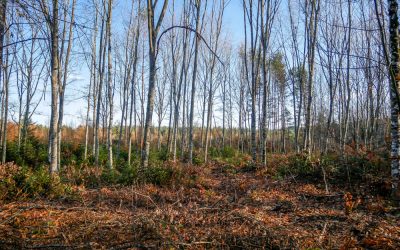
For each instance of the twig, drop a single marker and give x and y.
(146, 196)
(323, 233)
(126, 245)
(19, 212)
(196, 243)
(52, 246)
(325, 181)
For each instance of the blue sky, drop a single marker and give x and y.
(75, 104)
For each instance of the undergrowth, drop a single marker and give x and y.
(22, 180)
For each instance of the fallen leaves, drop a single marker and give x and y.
(215, 210)
(349, 203)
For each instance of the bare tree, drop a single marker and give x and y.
(132, 111)
(193, 92)
(52, 22)
(153, 29)
(63, 83)
(110, 87)
(394, 93)
(3, 14)
(311, 31)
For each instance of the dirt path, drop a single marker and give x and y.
(216, 207)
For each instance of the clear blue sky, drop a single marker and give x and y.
(75, 105)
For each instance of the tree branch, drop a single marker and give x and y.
(192, 30)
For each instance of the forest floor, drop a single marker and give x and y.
(217, 207)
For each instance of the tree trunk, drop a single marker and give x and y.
(153, 33)
(394, 90)
(53, 140)
(132, 111)
(99, 90)
(64, 83)
(110, 88)
(3, 14)
(196, 49)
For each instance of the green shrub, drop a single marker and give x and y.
(38, 183)
(250, 166)
(158, 175)
(302, 165)
(163, 154)
(82, 174)
(357, 167)
(109, 176)
(13, 154)
(213, 152)
(157, 157)
(120, 159)
(229, 169)
(128, 174)
(224, 153)
(33, 153)
(296, 165)
(8, 182)
(198, 158)
(103, 155)
(228, 152)
(337, 168)
(22, 182)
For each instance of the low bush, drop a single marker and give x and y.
(249, 166)
(128, 174)
(109, 176)
(81, 174)
(228, 152)
(337, 168)
(229, 169)
(198, 158)
(158, 175)
(21, 182)
(32, 153)
(224, 152)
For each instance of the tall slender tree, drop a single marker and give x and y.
(153, 29)
(194, 75)
(394, 92)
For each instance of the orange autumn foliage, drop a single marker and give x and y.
(350, 204)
